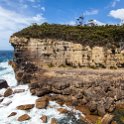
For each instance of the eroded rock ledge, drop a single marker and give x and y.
(62, 68)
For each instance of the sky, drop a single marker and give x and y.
(18, 14)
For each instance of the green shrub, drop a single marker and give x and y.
(109, 35)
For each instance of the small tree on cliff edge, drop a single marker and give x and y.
(80, 21)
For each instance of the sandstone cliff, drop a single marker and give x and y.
(59, 67)
(72, 71)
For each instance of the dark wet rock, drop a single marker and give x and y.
(42, 103)
(42, 92)
(60, 102)
(3, 84)
(62, 110)
(24, 117)
(44, 118)
(25, 107)
(8, 92)
(33, 86)
(12, 114)
(53, 121)
(71, 117)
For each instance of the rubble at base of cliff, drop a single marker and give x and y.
(22, 107)
(52, 109)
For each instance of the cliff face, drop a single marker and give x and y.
(57, 53)
(55, 66)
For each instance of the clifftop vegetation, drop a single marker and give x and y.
(109, 35)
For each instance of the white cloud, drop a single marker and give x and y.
(11, 21)
(71, 23)
(39, 7)
(32, 1)
(118, 14)
(98, 22)
(91, 12)
(114, 3)
(43, 8)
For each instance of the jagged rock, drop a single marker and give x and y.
(12, 114)
(44, 118)
(43, 92)
(53, 121)
(8, 92)
(101, 109)
(25, 107)
(24, 117)
(79, 95)
(41, 103)
(120, 106)
(92, 106)
(107, 119)
(109, 102)
(18, 91)
(60, 102)
(3, 84)
(61, 86)
(89, 93)
(62, 110)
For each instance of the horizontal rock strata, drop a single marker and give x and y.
(57, 67)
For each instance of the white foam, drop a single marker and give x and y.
(8, 74)
(25, 98)
(35, 114)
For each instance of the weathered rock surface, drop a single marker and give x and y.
(107, 119)
(25, 107)
(56, 66)
(12, 114)
(24, 117)
(120, 106)
(3, 84)
(44, 119)
(8, 92)
(41, 103)
(62, 110)
(54, 121)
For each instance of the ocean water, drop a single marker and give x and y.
(6, 71)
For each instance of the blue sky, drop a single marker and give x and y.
(18, 14)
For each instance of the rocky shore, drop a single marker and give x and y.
(62, 71)
(19, 106)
